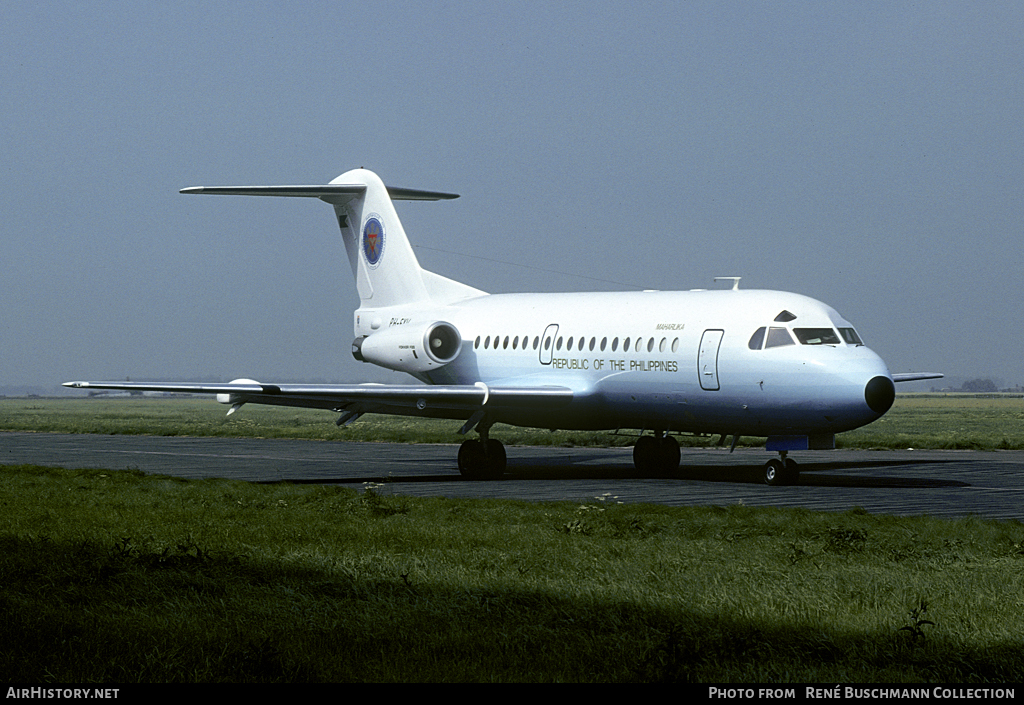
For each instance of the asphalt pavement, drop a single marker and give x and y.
(908, 482)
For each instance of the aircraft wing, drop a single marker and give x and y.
(914, 376)
(458, 401)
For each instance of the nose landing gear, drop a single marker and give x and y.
(781, 471)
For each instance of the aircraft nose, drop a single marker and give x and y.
(880, 393)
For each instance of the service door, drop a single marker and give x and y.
(707, 359)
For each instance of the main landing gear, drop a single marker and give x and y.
(657, 454)
(781, 471)
(482, 458)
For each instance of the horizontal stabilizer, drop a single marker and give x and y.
(915, 376)
(331, 193)
(383, 263)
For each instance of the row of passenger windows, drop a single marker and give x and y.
(638, 344)
(777, 337)
(763, 338)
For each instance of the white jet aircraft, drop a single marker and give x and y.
(731, 362)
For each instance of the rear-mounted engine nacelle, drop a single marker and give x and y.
(410, 347)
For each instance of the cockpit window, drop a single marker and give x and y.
(757, 338)
(777, 337)
(817, 336)
(850, 336)
(785, 317)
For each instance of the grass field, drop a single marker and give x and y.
(124, 577)
(119, 577)
(919, 421)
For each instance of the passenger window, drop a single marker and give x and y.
(661, 345)
(505, 344)
(625, 345)
(515, 342)
(757, 338)
(816, 336)
(615, 344)
(568, 345)
(777, 337)
(650, 345)
(675, 345)
(593, 342)
(487, 342)
(639, 342)
(604, 341)
(580, 344)
(477, 343)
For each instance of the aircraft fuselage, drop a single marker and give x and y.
(671, 361)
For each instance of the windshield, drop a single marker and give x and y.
(777, 337)
(757, 339)
(817, 336)
(850, 336)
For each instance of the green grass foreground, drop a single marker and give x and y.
(122, 577)
(954, 421)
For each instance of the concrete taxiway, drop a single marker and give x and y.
(910, 482)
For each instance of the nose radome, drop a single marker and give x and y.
(880, 393)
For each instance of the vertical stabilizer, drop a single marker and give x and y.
(385, 268)
(384, 265)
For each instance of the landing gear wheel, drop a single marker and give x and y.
(482, 461)
(653, 455)
(781, 472)
(774, 473)
(471, 459)
(496, 458)
(792, 472)
(644, 452)
(668, 455)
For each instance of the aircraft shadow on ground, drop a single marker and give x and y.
(811, 474)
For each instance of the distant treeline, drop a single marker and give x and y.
(979, 386)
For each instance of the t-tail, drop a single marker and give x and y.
(385, 268)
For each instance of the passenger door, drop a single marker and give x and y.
(547, 344)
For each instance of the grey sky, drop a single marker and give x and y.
(870, 155)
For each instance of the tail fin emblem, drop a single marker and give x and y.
(373, 240)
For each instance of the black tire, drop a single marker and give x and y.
(645, 453)
(479, 462)
(657, 456)
(775, 473)
(472, 459)
(496, 460)
(792, 472)
(668, 456)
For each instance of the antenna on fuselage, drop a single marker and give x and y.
(735, 281)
